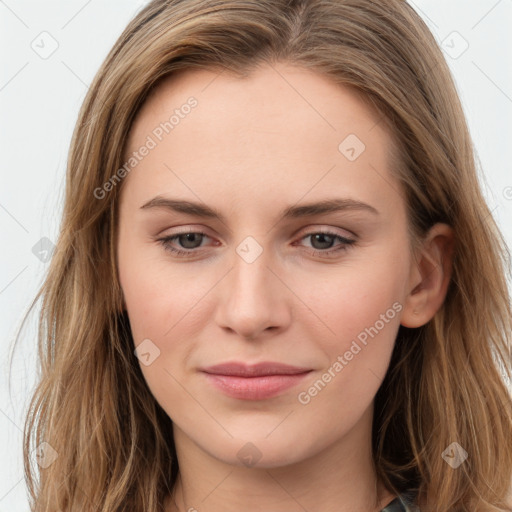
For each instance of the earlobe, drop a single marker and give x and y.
(430, 277)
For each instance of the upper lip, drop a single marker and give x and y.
(255, 370)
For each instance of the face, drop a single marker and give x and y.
(254, 273)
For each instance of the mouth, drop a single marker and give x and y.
(254, 382)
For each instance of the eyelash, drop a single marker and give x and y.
(345, 245)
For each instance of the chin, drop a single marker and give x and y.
(258, 452)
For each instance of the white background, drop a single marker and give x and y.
(39, 102)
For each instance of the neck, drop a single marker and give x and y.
(340, 478)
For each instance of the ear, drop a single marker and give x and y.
(430, 275)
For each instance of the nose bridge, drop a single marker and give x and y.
(252, 298)
(250, 277)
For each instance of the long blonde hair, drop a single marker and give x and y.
(446, 380)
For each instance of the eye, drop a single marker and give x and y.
(322, 243)
(190, 239)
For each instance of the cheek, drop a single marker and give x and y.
(160, 302)
(157, 294)
(356, 362)
(360, 308)
(355, 297)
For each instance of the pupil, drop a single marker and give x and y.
(322, 236)
(188, 238)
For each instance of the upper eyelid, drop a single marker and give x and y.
(305, 231)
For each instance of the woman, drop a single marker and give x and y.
(201, 348)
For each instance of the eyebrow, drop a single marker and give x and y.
(291, 212)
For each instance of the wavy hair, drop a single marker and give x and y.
(447, 380)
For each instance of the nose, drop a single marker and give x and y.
(253, 299)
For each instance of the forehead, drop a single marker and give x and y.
(278, 127)
(298, 92)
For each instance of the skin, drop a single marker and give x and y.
(251, 148)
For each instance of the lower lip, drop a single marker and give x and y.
(254, 388)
